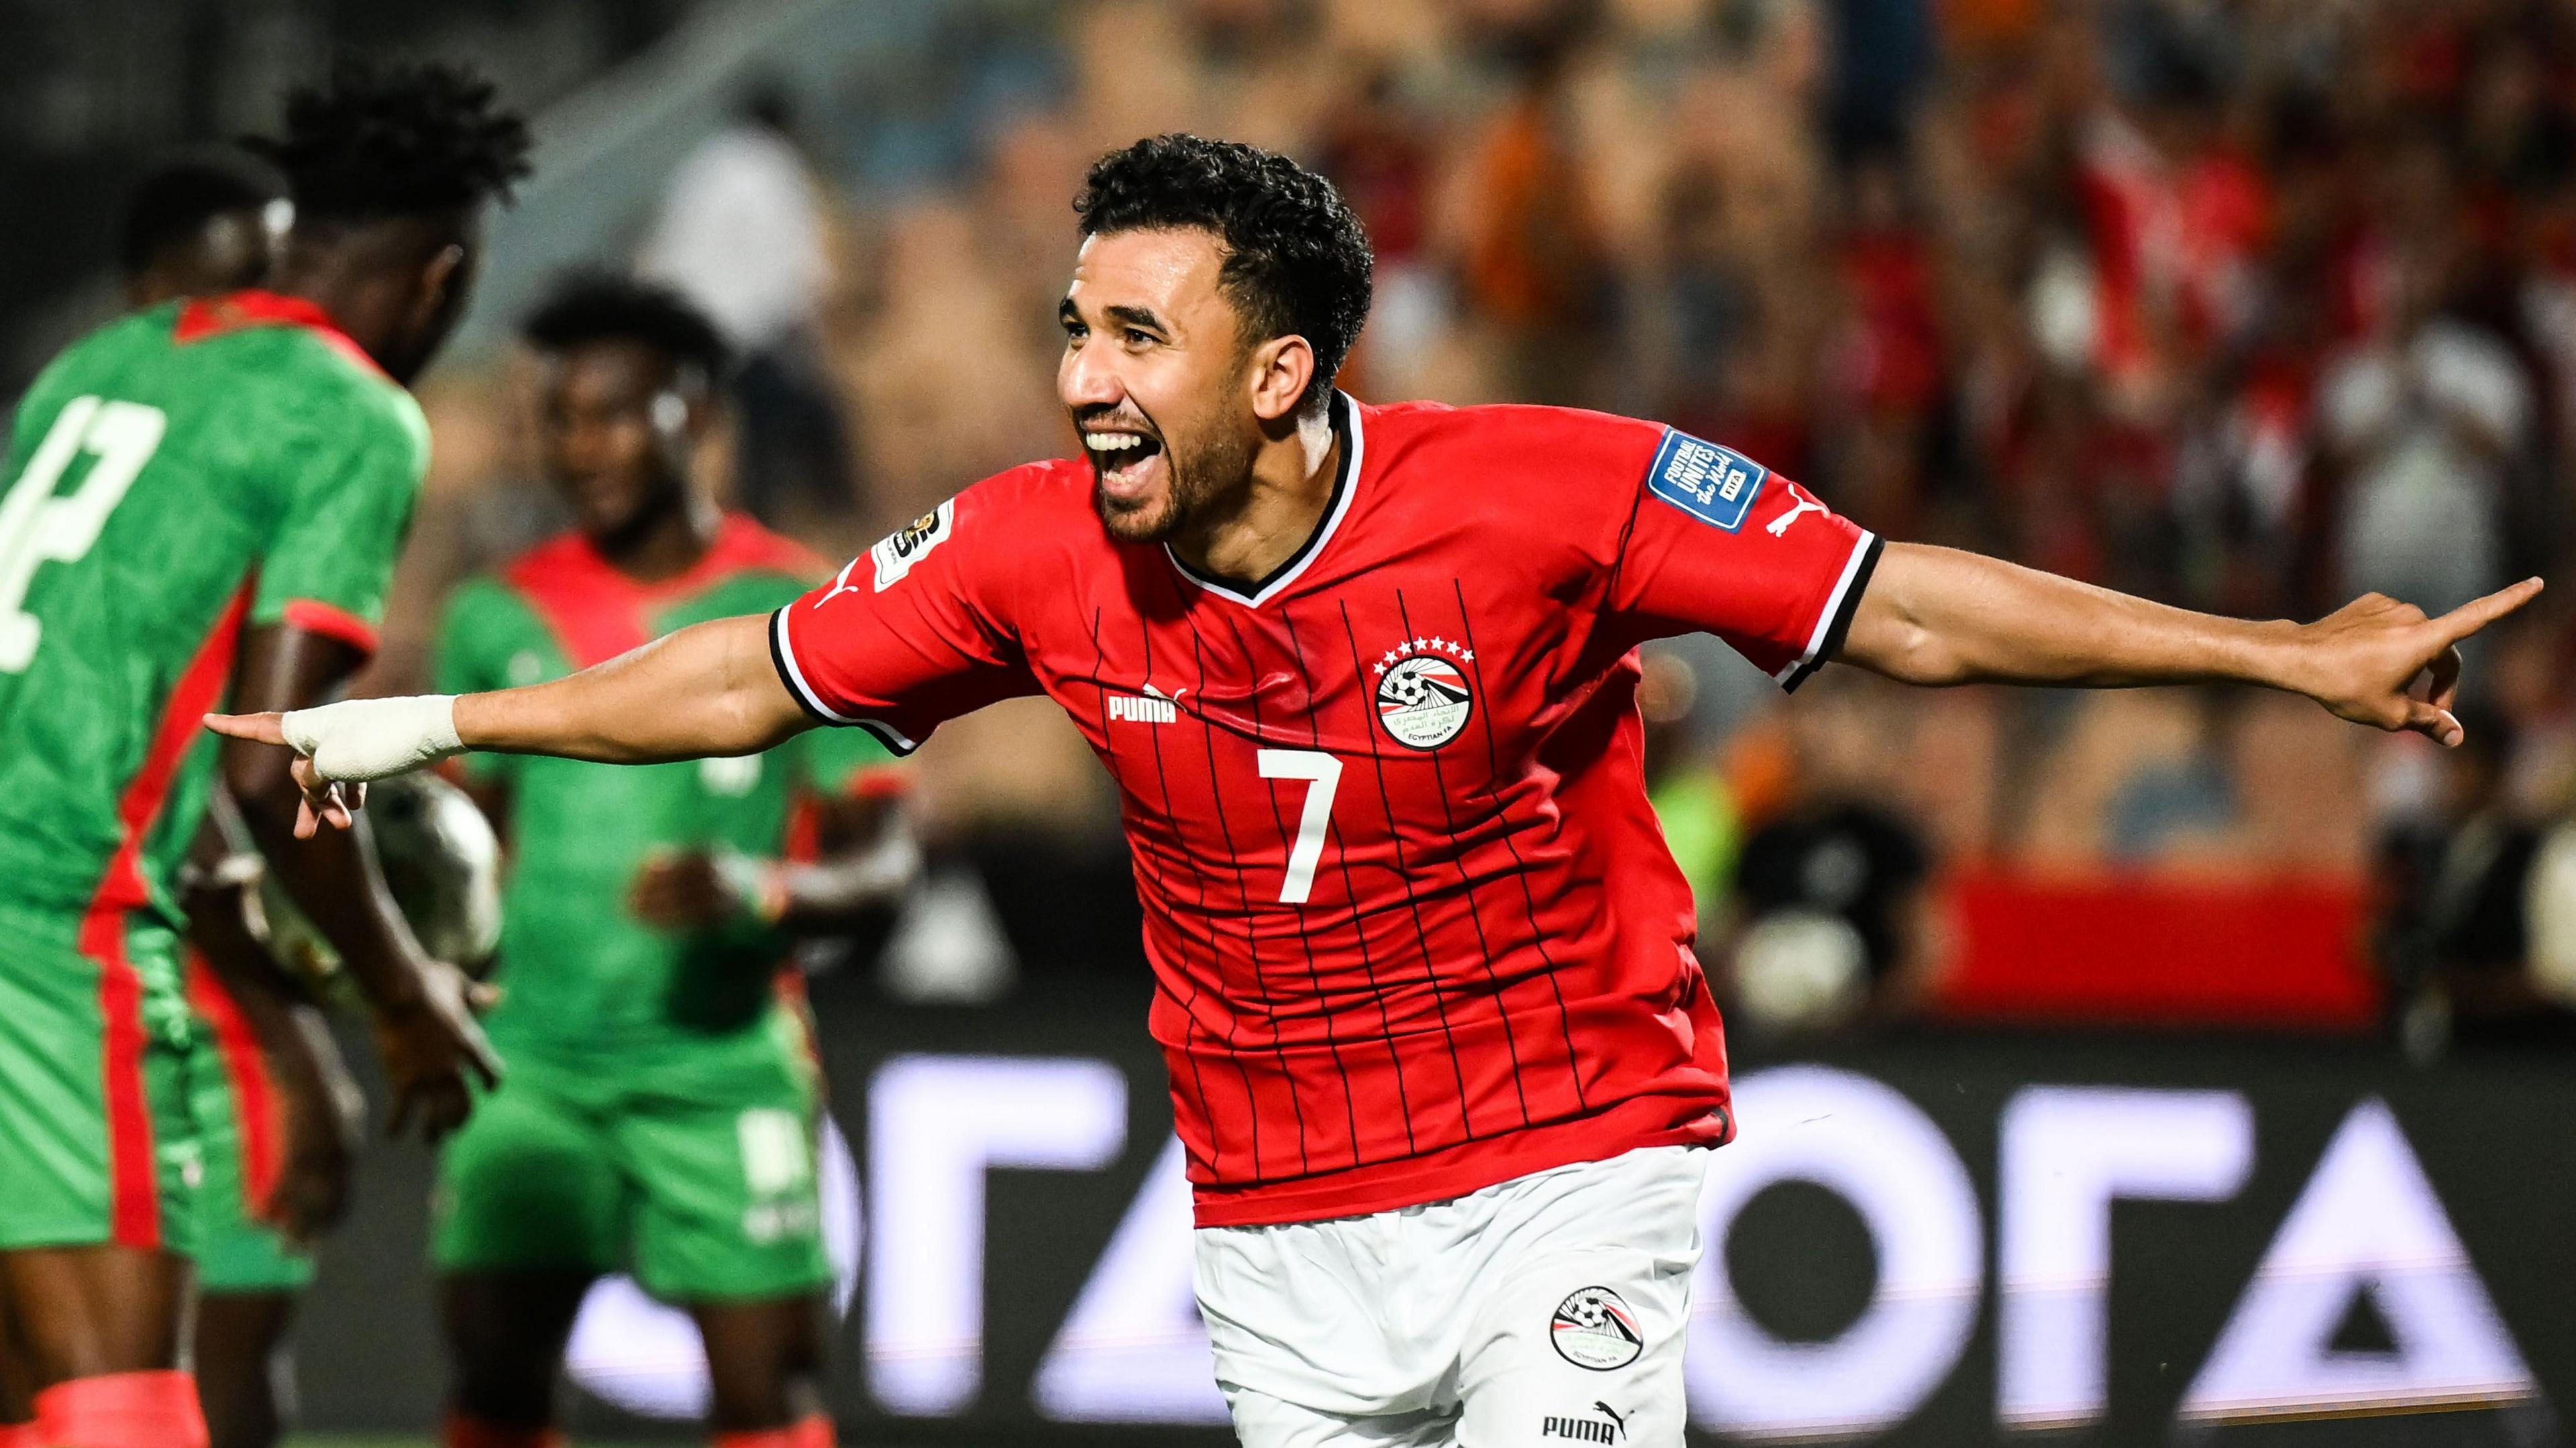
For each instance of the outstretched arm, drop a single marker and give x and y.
(1939, 616)
(709, 689)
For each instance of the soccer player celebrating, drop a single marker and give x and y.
(1365, 676)
(662, 1096)
(205, 492)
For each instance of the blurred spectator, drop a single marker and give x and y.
(742, 233)
(1693, 799)
(2427, 422)
(1830, 906)
(2549, 904)
(1533, 267)
(2456, 937)
(1375, 149)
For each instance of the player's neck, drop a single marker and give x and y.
(664, 543)
(1280, 507)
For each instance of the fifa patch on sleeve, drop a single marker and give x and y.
(895, 554)
(1714, 484)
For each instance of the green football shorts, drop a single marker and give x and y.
(98, 1135)
(704, 1197)
(241, 1136)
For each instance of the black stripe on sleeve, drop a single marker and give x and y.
(1841, 625)
(787, 675)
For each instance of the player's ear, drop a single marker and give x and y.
(1281, 368)
(442, 271)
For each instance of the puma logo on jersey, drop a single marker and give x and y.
(1585, 1430)
(1779, 527)
(1131, 709)
(840, 584)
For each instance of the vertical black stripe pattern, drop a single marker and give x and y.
(1520, 868)
(1350, 889)
(1288, 844)
(1243, 896)
(1137, 854)
(1475, 917)
(1216, 958)
(1395, 844)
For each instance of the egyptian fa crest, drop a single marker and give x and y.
(1423, 697)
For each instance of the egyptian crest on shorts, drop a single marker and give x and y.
(1595, 1328)
(1423, 697)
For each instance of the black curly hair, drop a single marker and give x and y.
(595, 306)
(1296, 260)
(176, 200)
(381, 141)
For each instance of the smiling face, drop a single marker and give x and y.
(1159, 379)
(616, 422)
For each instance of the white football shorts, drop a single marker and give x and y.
(1538, 1313)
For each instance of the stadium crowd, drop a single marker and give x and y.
(2248, 306)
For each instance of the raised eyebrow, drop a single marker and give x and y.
(1067, 313)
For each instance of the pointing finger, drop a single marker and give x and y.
(2477, 613)
(262, 728)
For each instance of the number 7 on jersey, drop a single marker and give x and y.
(1323, 774)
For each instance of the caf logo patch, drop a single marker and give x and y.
(1422, 698)
(1594, 1329)
(895, 554)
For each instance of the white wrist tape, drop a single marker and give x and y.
(362, 739)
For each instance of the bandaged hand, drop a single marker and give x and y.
(339, 747)
(357, 740)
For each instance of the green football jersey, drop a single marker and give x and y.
(584, 982)
(173, 477)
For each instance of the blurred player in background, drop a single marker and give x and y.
(662, 1097)
(205, 493)
(1439, 1048)
(278, 1112)
(273, 1098)
(201, 225)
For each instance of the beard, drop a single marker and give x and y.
(1193, 476)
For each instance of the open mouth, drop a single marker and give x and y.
(1124, 460)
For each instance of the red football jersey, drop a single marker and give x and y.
(1413, 926)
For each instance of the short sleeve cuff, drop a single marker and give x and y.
(1834, 620)
(782, 653)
